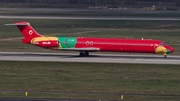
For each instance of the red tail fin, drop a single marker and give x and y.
(27, 31)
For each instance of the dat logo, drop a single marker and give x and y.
(30, 32)
(89, 43)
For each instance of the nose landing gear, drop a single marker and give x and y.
(82, 54)
(165, 55)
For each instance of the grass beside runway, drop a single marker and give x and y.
(89, 78)
(76, 96)
(60, 24)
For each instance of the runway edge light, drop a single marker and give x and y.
(26, 93)
(122, 97)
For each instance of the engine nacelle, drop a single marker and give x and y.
(47, 44)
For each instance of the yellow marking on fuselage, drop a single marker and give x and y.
(161, 50)
(43, 39)
(60, 46)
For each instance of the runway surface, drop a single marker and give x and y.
(70, 10)
(89, 18)
(85, 10)
(94, 58)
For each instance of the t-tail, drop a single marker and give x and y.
(27, 31)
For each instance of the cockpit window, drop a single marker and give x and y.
(162, 44)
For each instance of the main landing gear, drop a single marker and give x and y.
(82, 54)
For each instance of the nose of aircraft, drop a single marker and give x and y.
(169, 49)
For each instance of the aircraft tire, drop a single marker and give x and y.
(165, 56)
(86, 53)
(81, 54)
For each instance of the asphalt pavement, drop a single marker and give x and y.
(94, 58)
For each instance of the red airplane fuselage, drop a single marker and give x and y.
(122, 45)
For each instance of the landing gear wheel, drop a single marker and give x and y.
(165, 56)
(81, 54)
(86, 53)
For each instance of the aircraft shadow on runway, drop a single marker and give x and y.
(93, 56)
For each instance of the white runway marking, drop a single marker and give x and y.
(96, 58)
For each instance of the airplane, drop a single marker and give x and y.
(85, 45)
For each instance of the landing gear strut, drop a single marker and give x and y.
(165, 55)
(81, 54)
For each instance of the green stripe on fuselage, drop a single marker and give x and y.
(67, 42)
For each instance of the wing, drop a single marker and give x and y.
(80, 49)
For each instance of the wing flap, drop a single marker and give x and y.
(80, 49)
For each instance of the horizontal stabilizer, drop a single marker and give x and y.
(17, 24)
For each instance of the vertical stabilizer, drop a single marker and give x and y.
(27, 30)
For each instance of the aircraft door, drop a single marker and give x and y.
(155, 46)
(71, 42)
